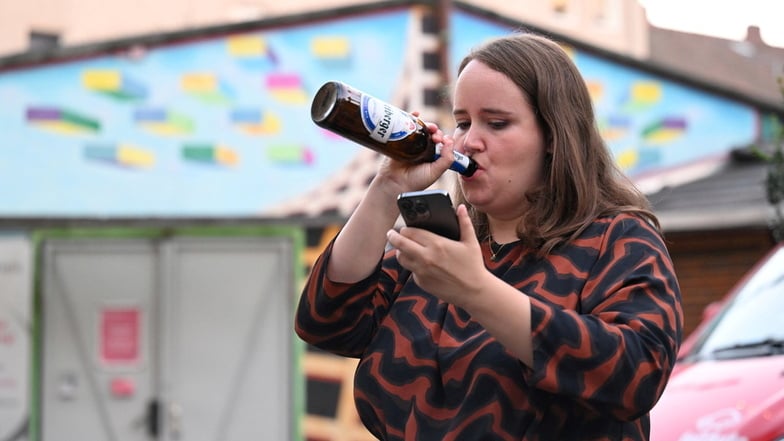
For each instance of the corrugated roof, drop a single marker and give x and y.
(732, 196)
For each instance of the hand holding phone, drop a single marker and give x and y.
(431, 210)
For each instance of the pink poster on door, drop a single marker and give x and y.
(119, 337)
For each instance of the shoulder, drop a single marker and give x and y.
(610, 231)
(620, 225)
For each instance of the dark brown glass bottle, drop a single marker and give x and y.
(379, 126)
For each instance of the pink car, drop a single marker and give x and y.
(728, 383)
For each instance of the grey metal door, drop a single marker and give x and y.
(228, 374)
(167, 339)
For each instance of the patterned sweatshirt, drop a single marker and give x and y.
(606, 325)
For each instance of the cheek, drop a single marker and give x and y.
(527, 168)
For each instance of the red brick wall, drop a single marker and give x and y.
(708, 264)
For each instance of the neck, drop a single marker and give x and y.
(503, 231)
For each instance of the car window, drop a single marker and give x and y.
(755, 314)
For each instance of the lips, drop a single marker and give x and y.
(477, 172)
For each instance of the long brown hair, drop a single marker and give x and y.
(581, 178)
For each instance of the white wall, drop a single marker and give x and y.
(618, 25)
(16, 278)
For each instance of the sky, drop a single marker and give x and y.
(720, 18)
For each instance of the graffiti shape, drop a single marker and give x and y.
(634, 160)
(163, 122)
(210, 154)
(614, 127)
(595, 89)
(569, 49)
(256, 122)
(331, 50)
(284, 154)
(664, 131)
(251, 51)
(627, 159)
(61, 120)
(113, 83)
(642, 96)
(124, 155)
(286, 88)
(332, 136)
(207, 87)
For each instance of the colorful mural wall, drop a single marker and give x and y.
(218, 127)
(221, 126)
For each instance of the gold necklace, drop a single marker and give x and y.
(494, 253)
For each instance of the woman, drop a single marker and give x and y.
(557, 314)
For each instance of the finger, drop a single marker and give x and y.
(466, 226)
(393, 237)
(449, 149)
(405, 248)
(445, 153)
(402, 240)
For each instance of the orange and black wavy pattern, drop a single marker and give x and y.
(606, 325)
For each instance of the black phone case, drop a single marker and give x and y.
(431, 210)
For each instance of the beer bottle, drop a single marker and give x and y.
(379, 126)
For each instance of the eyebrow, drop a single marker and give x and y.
(483, 111)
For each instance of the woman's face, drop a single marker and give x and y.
(497, 126)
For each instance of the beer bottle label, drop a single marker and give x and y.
(384, 122)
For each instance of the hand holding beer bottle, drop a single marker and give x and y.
(379, 126)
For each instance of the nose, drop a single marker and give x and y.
(471, 141)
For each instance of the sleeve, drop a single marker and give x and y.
(616, 352)
(342, 318)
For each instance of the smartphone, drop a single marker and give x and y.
(431, 210)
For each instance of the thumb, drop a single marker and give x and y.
(466, 226)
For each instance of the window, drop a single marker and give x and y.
(41, 41)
